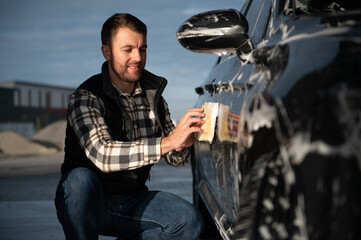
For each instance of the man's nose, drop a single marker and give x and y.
(136, 55)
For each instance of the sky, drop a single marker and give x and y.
(58, 42)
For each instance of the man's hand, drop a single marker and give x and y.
(182, 136)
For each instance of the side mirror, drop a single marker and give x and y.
(220, 32)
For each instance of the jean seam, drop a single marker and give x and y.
(64, 197)
(60, 201)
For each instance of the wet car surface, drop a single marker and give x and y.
(280, 156)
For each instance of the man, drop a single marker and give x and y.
(118, 127)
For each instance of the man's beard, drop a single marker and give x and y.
(122, 75)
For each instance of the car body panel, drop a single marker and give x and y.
(282, 148)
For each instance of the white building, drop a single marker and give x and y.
(36, 95)
(26, 105)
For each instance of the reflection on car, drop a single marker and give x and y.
(280, 155)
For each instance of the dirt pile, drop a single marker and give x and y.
(12, 143)
(52, 135)
(48, 140)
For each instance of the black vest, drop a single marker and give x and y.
(120, 128)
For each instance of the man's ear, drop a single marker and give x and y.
(106, 52)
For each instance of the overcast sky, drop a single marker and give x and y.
(58, 42)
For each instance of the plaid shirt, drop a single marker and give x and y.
(85, 115)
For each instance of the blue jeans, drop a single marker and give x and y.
(85, 212)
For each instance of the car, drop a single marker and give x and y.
(280, 154)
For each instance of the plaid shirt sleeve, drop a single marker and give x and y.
(174, 158)
(85, 115)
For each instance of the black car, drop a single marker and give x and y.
(280, 156)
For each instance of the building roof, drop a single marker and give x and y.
(14, 83)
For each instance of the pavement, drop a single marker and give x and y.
(27, 189)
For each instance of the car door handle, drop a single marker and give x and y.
(216, 88)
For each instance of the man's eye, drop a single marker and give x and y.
(127, 50)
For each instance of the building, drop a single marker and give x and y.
(26, 107)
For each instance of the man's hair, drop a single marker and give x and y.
(119, 20)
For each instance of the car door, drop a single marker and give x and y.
(215, 150)
(222, 95)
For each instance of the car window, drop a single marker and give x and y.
(257, 17)
(318, 6)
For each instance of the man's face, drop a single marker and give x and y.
(126, 56)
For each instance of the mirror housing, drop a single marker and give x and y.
(220, 32)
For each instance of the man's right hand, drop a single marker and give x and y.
(183, 136)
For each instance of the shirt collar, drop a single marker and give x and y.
(137, 90)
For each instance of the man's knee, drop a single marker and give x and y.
(78, 188)
(81, 179)
(77, 202)
(186, 221)
(193, 223)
